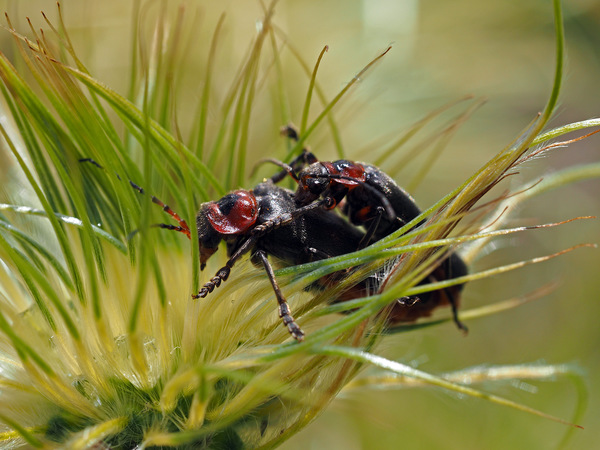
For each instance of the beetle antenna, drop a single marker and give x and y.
(287, 169)
(165, 226)
(183, 226)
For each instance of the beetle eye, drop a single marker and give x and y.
(234, 213)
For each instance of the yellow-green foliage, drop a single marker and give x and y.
(100, 340)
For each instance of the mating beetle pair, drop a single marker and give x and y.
(304, 226)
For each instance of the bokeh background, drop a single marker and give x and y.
(442, 51)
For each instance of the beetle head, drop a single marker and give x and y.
(313, 181)
(234, 214)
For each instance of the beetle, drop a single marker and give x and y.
(372, 199)
(271, 220)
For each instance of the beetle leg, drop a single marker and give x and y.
(223, 273)
(366, 240)
(453, 266)
(284, 309)
(461, 326)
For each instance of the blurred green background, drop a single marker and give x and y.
(503, 51)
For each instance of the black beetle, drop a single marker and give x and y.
(371, 198)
